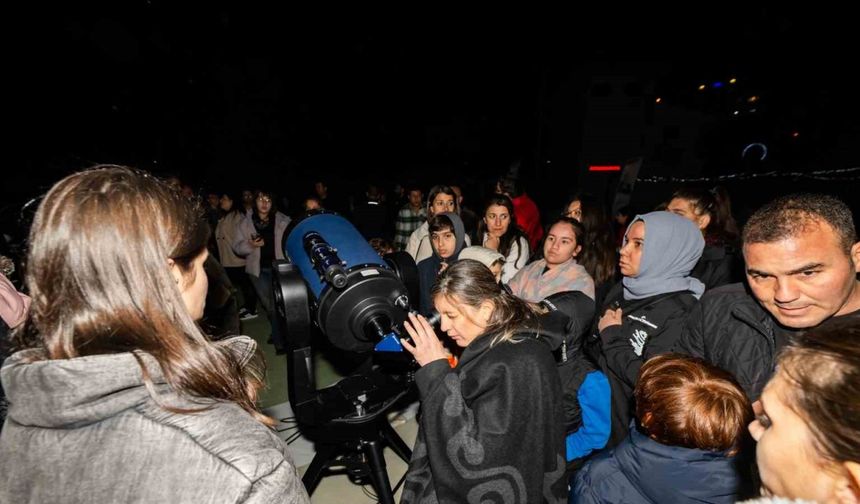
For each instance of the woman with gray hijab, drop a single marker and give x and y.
(643, 315)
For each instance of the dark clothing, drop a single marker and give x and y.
(470, 222)
(266, 230)
(650, 326)
(240, 280)
(371, 220)
(490, 429)
(720, 265)
(585, 390)
(221, 314)
(429, 268)
(729, 329)
(641, 470)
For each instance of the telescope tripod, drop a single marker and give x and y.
(358, 449)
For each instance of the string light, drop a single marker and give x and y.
(814, 175)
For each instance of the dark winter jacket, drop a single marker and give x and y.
(650, 327)
(643, 471)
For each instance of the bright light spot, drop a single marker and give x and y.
(658, 100)
(702, 87)
(733, 81)
(752, 99)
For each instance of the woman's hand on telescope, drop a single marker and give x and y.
(425, 346)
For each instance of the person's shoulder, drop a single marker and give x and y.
(597, 471)
(727, 295)
(526, 349)
(226, 432)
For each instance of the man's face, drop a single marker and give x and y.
(459, 193)
(320, 188)
(415, 198)
(248, 197)
(804, 279)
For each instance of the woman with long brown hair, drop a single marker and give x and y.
(116, 395)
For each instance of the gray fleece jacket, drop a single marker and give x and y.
(87, 430)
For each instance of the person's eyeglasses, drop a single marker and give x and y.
(264, 199)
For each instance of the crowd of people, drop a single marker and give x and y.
(675, 358)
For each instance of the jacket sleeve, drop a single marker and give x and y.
(692, 339)
(283, 485)
(594, 401)
(618, 350)
(583, 491)
(241, 245)
(517, 257)
(412, 244)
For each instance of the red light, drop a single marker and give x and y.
(605, 168)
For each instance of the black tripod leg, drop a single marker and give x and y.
(320, 462)
(395, 442)
(378, 471)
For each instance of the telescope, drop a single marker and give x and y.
(334, 283)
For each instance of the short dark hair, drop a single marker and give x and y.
(791, 215)
(684, 401)
(509, 185)
(440, 223)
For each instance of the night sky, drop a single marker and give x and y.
(249, 96)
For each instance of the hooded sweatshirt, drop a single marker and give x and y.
(643, 471)
(87, 430)
(429, 268)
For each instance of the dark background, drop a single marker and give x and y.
(228, 97)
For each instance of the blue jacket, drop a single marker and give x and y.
(641, 470)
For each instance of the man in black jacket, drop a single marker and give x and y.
(802, 259)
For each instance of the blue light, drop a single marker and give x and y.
(718, 85)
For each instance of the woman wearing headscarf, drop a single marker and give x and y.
(643, 315)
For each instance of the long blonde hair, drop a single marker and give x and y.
(98, 273)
